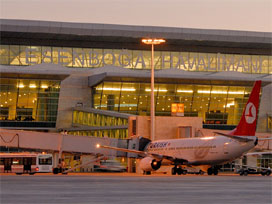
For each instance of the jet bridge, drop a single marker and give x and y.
(57, 144)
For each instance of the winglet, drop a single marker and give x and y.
(247, 124)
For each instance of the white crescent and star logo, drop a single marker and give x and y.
(250, 113)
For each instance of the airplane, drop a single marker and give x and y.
(205, 153)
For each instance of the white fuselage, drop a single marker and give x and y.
(212, 150)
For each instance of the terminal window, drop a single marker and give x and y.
(29, 100)
(215, 104)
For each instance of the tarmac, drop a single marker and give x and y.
(129, 188)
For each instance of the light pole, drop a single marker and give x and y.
(152, 42)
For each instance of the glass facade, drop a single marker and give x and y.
(113, 133)
(133, 59)
(215, 104)
(100, 120)
(29, 100)
(97, 120)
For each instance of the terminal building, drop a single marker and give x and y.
(89, 79)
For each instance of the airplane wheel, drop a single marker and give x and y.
(184, 172)
(174, 171)
(245, 173)
(179, 171)
(263, 173)
(201, 172)
(241, 173)
(268, 173)
(210, 171)
(215, 171)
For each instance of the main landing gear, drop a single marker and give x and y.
(212, 171)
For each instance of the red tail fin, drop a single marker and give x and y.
(247, 124)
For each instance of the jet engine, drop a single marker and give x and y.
(149, 164)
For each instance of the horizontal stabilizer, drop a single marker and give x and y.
(240, 139)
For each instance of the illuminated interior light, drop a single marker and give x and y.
(185, 91)
(1, 105)
(116, 89)
(160, 90)
(21, 86)
(229, 105)
(6, 102)
(43, 86)
(32, 86)
(221, 92)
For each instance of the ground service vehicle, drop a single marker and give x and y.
(25, 162)
(109, 166)
(263, 171)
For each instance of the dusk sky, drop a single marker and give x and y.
(249, 15)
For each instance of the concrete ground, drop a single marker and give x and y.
(134, 188)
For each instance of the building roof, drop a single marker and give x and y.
(111, 73)
(85, 34)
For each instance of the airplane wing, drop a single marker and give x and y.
(144, 154)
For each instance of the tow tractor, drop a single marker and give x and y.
(191, 170)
